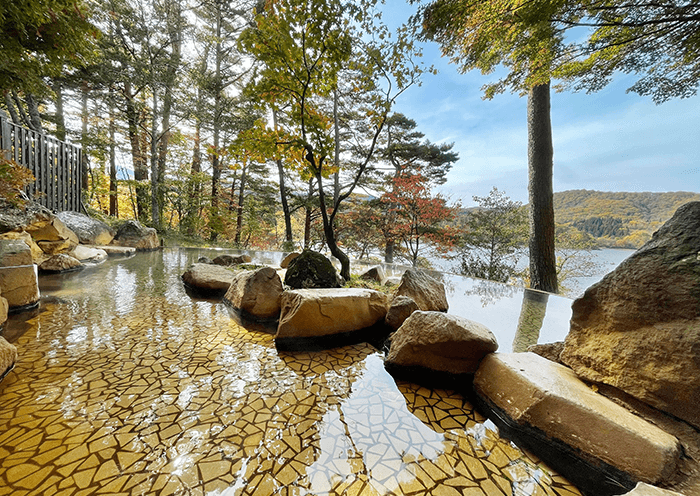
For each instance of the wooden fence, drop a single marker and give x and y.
(54, 164)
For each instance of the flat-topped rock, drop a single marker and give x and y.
(428, 293)
(535, 392)
(38, 256)
(257, 293)
(440, 342)
(208, 278)
(114, 250)
(14, 252)
(309, 313)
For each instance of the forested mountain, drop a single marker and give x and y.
(621, 220)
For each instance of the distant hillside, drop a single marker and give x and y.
(619, 220)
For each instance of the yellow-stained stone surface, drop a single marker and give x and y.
(126, 385)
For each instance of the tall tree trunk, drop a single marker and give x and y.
(336, 126)
(214, 221)
(239, 207)
(307, 216)
(155, 178)
(137, 153)
(84, 164)
(543, 266)
(113, 192)
(288, 236)
(60, 116)
(11, 107)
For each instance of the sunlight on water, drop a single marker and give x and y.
(126, 384)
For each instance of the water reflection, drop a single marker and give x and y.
(126, 384)
(532, 314)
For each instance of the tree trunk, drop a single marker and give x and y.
(34, 116)
(543, 267)
(239, 208)
(214, 220)
(84, 164)
(288, 236)
(155, 179)
(137, 153)
(113, 192)
(60, 116)
(336, 126)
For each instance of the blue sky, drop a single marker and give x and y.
(605, 141)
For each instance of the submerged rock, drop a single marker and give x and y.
(638, 329)
(89, 231)
(228, 260)
(440, 342)
(311, 270)
(550, 400)
(427, 292)
(257, 293)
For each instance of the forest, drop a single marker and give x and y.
(271, 124)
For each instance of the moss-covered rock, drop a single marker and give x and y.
(311, 270)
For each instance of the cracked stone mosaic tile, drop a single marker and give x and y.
(127, 385)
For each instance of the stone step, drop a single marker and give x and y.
(536, 393)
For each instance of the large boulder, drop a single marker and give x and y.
(38, 256)
(53, 236)
(8, 357)
(18, 276)
(208, 278)
(548, 399)
(256, 293)
(4, 309)
(60, 263)
(428, 293)
(440, 342)
(314, 313)
(638, 329)
(132, 233)
(228, 260)
(89, 231)
(642, 489)
(29, 215)
(311, 270)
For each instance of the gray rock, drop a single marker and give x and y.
(537, 393)
(89, 254)
(89, 231)
(132, 233)
(311, 270)
(428, 293)
(400, 309)
(440, 342)
(257, 293)
(638, 329)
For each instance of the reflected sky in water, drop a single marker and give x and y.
(126, 384)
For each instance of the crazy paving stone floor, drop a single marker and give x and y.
(143, 390)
